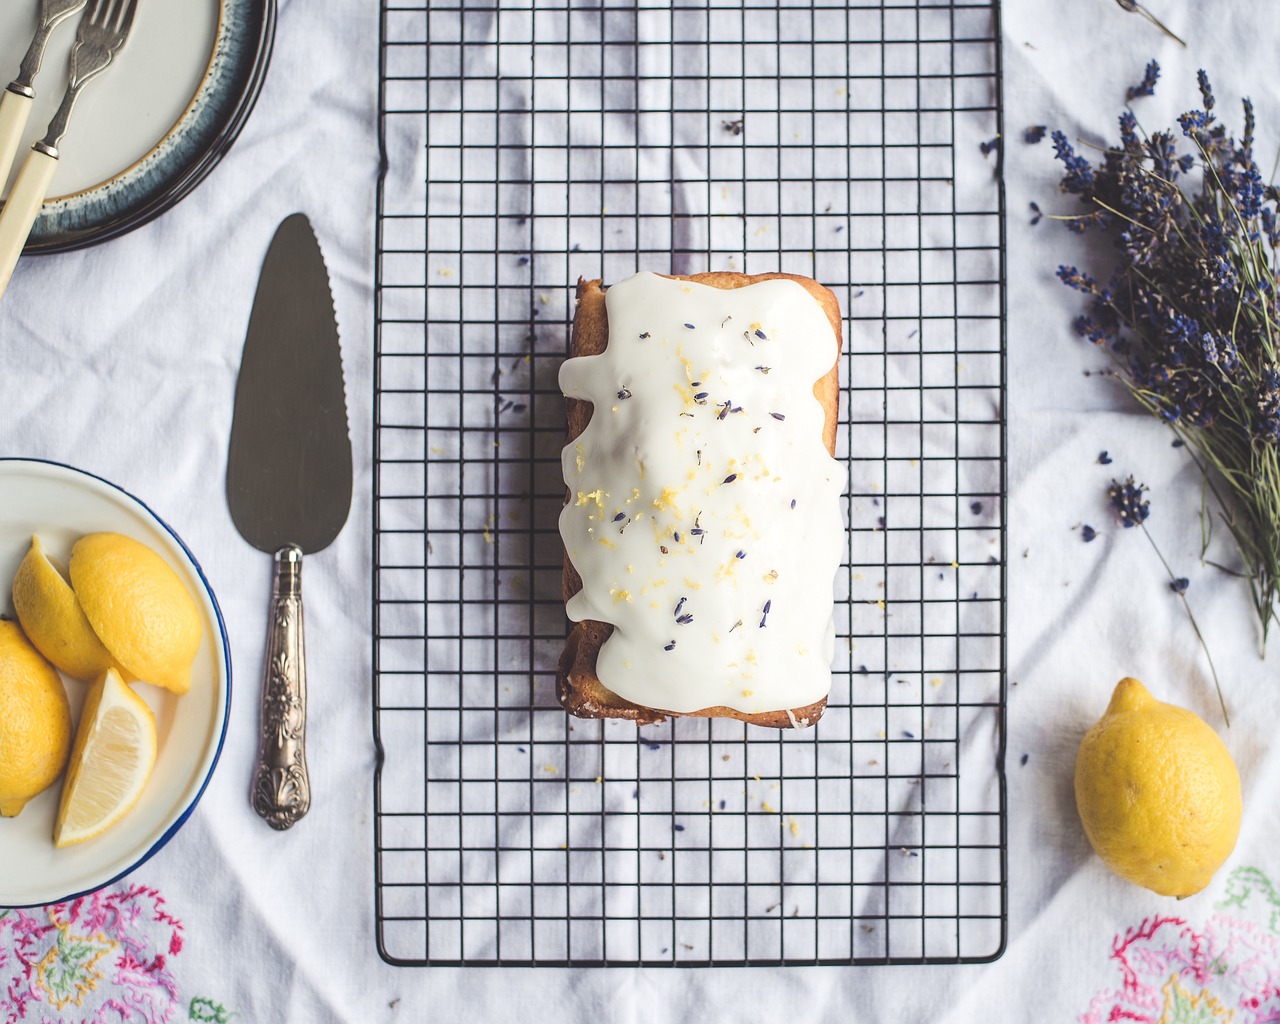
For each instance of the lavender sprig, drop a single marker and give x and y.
(1130, 510)
(1191, 312)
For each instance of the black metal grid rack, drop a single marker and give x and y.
(528, 143)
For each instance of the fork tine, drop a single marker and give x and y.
(126, 18)
(96, 14)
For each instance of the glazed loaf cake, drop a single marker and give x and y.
(701, 525)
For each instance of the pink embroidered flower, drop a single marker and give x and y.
(100, 958)
(1227, 969)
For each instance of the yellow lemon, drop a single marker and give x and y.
(52, 618)
(113, 757)
(1157, 792)
(35, 721)
(138, 607)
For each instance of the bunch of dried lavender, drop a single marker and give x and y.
(1190, 311)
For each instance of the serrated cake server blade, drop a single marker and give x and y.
(289, 485)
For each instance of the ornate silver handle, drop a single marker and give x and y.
(281, 790)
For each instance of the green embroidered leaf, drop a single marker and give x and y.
(207, 1009)
(67, 974)
(1242, 883)
(1183, 1009)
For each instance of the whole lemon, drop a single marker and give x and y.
(52, 618)
(138, 607)
(35, 721)
(1157, 792)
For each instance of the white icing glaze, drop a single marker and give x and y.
(703, 516)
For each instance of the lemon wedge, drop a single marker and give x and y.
(138, 607)
(112, 759)
(52, 618)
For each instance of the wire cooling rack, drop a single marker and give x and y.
(527, 144)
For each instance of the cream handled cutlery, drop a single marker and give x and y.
(102, 32)
(15, 104)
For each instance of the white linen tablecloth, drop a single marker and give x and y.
(134, 380)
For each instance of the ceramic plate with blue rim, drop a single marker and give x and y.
(152, 128)
(61, 504)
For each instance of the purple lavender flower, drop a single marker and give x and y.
(1088, 327)
(1147, 87)
(1129, 132)
(1269, 228)
(1073, 278)
(1267, 428)
(1164, 155)
(1226, 358)
(1193, 121)
(1127, 504)
(1249, 188)
(1079, 174)
(1206, 91)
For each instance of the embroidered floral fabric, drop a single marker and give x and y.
(1182, 970)
(106, 957)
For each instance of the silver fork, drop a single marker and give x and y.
(102, 33)
(15, 104)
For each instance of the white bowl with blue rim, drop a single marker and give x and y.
(62, 504)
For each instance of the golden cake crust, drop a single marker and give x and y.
(579, 688)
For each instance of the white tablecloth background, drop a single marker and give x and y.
(134, 379)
